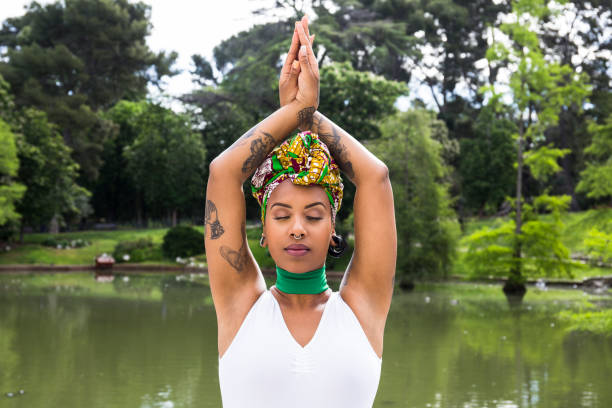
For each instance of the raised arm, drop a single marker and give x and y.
(370, 275)
(371, 272)
(234, 275)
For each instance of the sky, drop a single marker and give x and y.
(197, 26)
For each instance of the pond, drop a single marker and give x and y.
(150, 341)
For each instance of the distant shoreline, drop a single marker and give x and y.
(124, 268)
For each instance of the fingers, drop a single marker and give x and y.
(312, 61)
(292, 55)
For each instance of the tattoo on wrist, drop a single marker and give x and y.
(260, 147)
(305, 118)
(237, 259)
(212, 218)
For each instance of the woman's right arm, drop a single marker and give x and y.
(234, 275)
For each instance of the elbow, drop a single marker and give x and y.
(220, 170)
(382, 173)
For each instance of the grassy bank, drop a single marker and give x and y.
(33, 252)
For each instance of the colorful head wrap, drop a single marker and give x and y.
(305, 160)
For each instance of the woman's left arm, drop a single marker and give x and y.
(370, 275)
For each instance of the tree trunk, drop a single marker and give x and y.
(515, 285)
(174, 216)
(54, 225)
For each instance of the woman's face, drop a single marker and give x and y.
(294, 210)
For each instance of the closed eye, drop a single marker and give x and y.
(314, 218)
(281, 218)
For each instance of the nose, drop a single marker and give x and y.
(297, 228)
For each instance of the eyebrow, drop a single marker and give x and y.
(288, 206)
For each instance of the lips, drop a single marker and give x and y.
(297, 249)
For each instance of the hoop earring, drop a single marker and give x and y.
(337, 250)
(261, 241)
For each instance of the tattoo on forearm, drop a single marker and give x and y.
(242, 139)
(260, 148)
(237, 259)
(305, 118)
(212, 218)
(338, 150)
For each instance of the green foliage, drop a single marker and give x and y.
(426, 225)
(491, 250)
(485, 163)
(597, 322)
(596, 179)
(166, 161)
(139, 250)
(49, 173)
(10, 191)
(182, 241)
(64, 243)
(542, 162)
(71, 59)
(357, 100)
(599, 245)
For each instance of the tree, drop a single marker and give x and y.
(485, 165)
(115, 185)
(538, 90)
(427, 228)
(50, 174)
(166, 160)
(10, 191)
(596, 179)
(51, 67)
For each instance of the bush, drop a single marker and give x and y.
(65, 243)
(136, 251)
(182, 241)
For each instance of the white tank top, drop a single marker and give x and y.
(265, 366)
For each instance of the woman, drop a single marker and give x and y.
(299, 344)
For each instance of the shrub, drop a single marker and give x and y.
(65, 243)
(182, 241)
(136, 251)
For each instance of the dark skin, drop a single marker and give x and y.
(235, 278)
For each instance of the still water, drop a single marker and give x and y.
(150, 341)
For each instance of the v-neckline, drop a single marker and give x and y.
(293, 339)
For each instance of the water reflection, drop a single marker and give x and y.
(150, 341)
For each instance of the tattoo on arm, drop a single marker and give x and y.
(305, 118)
(212, 219)
(260, 147)
(237, 259)
(338, 150)
(242, 139)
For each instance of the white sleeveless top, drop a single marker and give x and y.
(265, 366)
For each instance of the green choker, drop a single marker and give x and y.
(312, 282)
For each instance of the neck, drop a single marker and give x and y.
(307, 283)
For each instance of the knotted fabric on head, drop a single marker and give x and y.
(303, 159)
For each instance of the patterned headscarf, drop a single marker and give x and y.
(305, 160)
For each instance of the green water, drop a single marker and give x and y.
(150, 341)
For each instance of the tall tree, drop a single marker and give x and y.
(596, 179)
(167, 163)
(538, 89)
(73, 58)
(10, 190)
(426, 224)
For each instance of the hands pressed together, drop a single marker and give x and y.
(299, 78)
